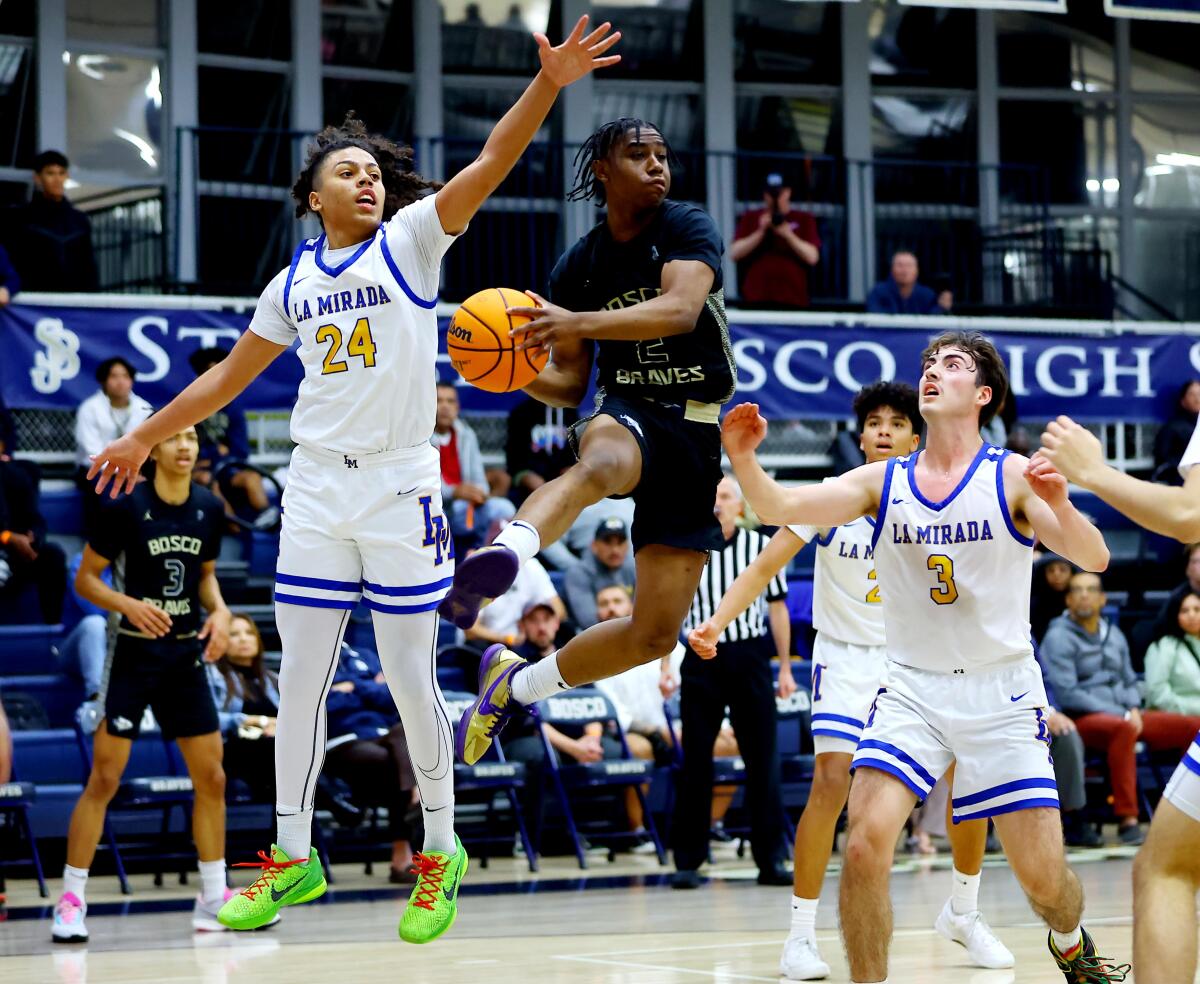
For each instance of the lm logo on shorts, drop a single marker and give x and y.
(437, 532)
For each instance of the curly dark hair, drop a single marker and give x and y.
(597, 147)
(888, 393)
(401, 184)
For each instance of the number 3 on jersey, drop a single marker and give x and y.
(361, 344)
(945, 592)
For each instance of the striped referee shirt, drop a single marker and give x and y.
(723, 568)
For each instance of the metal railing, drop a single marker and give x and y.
(129, 238)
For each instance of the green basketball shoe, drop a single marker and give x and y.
(282, 882)
(434, 902)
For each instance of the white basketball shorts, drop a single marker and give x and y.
(845, 679)
(993, 724)
(1184, 788)
(368, 526)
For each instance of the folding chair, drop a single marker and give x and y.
(491, 775)
(166, 786)
(580, 707)
(16, 799)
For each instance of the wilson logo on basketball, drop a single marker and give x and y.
(458, 331)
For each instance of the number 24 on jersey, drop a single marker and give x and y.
(361, 345)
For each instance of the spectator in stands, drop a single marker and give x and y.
(774, 247)
(1173, 659)
(900, 293)
(1173, 436)
(608, 563)
(575, 543)
(943, 289)
(1066, 748)
(1051, 579)
(537, 448)
(247, 697)
(103, 417)
(49, 239)
(6, 750)
(82, 654)
(466, 494)
(223, 441)
(26, 557)
(8, 432)
(1087, 661)
(10, 282)
(501, 620)
(366, 748)
(1191, 583)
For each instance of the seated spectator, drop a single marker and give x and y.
(1190, 585)
(501, 620)
(247, 697)
(537, 448)
(609, 563)
(1051, 578)
(1172, 438)
(224, 440)
(1087, 661)
(48, 238)
(103, 417)
(10, 283)
(1066, 748)
(84, 651)
(1173, 660)
(900, 293)
(366, 748)
(774, 246)
(575, 543)
(26, 557)
(466, 496)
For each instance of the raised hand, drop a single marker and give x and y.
(1074, 451)
(743, 430)
(119, 463)
(578, 55)
(1047, 482)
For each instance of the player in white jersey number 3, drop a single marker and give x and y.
(362, 510)
(954, 528)
(849, 663)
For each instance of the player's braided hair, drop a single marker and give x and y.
(888, 393)
(597, 147)
(401, 185)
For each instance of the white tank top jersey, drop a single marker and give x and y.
(1191, 454)
(368, 334)
(847, 605)
(956, 573)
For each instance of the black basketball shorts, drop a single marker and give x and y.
(168, 675)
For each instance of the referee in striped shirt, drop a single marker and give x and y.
(737, 679)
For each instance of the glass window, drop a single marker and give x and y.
(657, 41)
(1164, 57)
(386, 109)
(244, 111)
(245, 262)
(253, 28)
(1056, 52)
(677, 114)
(1079, 138)
(114, 114)
(470, 114)
(493, 36)
(1166, 263)
(932, 128)
(373, 35)
(127, 22)
(788, 42)
(921, 45)
(788, 124)
(18, 19)
(18, 106)
(1166, 146)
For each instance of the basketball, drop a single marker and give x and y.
(481, 349)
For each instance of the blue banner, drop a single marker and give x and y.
(795, 366)
(1173, 10)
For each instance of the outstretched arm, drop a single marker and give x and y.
(204, 396)
(831, 503)
(462, 195)
(1041, 500)
(1075, 453)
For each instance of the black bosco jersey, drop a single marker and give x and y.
(157, 550)
(599, 273)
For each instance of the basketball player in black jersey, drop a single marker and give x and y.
(642, 295)
(162, 541)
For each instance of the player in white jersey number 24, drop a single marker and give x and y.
(849, 662)
(954, 529)
(362, 511)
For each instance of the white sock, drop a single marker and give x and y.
(964, 897)
(804, 919)
(1066, 942)
(75, 881)
(212, 880)
(295, 831)
(538, 681)
(521, 538)
(439, 829)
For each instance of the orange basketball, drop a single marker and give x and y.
(481, 349)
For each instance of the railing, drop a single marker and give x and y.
(129, 238)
